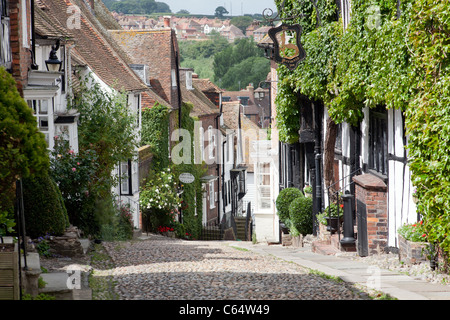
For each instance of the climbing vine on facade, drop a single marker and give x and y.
(393, 54)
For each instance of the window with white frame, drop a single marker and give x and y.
(263, 186)
(212, 200)
(125, 178)
(43, 111)
(202, 143)
(212, 143)
(5, 44)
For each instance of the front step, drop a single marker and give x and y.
(240, 227)
(66, 286)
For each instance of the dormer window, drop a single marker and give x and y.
(244, 100)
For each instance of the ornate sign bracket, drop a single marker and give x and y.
(289, 54)
(288, 49)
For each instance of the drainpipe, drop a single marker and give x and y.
(218, 168)
(318, 162)
(34, 66)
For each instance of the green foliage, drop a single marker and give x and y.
(300, 215)
(381, 59)
(242, 22)
(199, 55)
(415, 232)
(23, 150)
(159, 199)
(234, 65)
(155, 133)
(138, 6)
(284, 200)
(251, 70)
(106, 126)
(203, 49)
(43, 247)
(119, 226)
(427, 117)
(45, 211)
(75, 175)
(220, 11)
(192, 197)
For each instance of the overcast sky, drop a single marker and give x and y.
(235, 7)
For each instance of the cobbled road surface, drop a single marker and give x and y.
(162, 268)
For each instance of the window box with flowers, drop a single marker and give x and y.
(413, 245)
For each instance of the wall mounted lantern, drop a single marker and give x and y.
(53, 63)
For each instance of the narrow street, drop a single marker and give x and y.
(161, 268)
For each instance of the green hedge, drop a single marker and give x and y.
(284, 200)
(44, 208)
(23, 150)
(300, 214)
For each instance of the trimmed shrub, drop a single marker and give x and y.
(300, 214)
(44, 209)
(23, 150)
(284, 200)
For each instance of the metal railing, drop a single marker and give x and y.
(333, 197)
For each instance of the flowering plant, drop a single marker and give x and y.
(164, 229)
(160, 192)
(75, 174)
(414, 232)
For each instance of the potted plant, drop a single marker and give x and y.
(307, 190)
(332, 215)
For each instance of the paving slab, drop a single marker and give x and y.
(400, 286)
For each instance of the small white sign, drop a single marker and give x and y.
(186, 178)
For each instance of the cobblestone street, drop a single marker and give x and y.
(161, 268)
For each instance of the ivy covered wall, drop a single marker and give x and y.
(158, 125)
(391, 55)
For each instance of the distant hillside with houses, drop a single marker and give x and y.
(191, 28)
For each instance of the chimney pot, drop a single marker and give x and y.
(167, 21)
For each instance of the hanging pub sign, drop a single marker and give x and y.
(288, 49)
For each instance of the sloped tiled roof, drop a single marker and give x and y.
(153, 48)
(45, 26)
(202, 105)
(206, 85)
(230, 112)
(94, 46)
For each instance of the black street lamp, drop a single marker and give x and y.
(53, 63)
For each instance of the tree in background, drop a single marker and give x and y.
(137, 6)
(242, 64)
(242, 22)
(220, 12)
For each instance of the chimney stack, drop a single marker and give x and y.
(167, 21)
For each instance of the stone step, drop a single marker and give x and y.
(57, 285)
(66, 286)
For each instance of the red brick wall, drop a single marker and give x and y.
(21, 57)
(372, 191)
